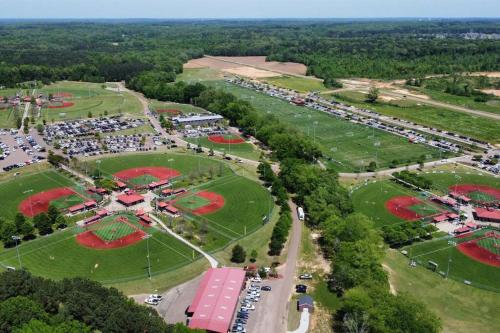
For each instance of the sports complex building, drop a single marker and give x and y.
(216, 299)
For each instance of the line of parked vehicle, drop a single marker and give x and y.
(248, 302)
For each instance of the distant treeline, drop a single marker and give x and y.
(97, 51)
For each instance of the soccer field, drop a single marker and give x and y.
(88, 97)
(348, 147)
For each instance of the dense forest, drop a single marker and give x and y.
(121, 50)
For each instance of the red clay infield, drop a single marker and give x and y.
(216, 203)
(89, 239)
(170, 111)
(478, 253)
(398, 206)
(161, 173)
(61, 106)
(39, 203)
(221, 139)
(465, 189)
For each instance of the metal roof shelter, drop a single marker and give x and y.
(305, 302)
(130, 198)
(216, 299)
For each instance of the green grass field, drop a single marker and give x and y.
(14, 191)
(370, 200)
(89, 97)
(191, 202)
(111, 228)
(184, 108)
(193, 75)
(59, 256)
(244, 150)
(458, 122)
(7, 117)
(299, 84)
(461, 267)
(463, 309)
(442, 180)
(68, 201)
(349, 147)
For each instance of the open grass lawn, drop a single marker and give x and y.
(370, 200)
(7, 118)
(348, 147)
(183, 163)
(59, 255)
(246, 203)
(89, 97)
(15, 190)
(299, 84)
(244, 150)
(461, 266)
(442, 180)
(184, 108)
(458, 122)
(463, 309)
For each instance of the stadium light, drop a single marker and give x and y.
(16, 239)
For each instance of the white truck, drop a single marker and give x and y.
(300, 213)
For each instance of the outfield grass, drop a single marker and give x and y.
(458, 122)
(7, 118)
(463, 309)
(244, 150)
(14, 191)
(68, 201)
(246, 203)
(59, 256)
(193, 75)
(442, 180)
(299, 84)
(89, 97)
(184, 163)
(370, 200)
(184, 108)
(348, 147)
(461, 267)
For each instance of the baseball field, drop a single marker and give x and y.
(229, 144)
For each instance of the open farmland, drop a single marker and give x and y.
(348, 147)
(88, 97)
(300, 84)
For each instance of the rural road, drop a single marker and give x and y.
(271, 314)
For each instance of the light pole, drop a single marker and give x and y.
(16, 239)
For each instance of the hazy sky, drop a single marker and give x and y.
(246, 8)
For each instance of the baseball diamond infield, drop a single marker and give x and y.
(484, 249)
(410, 208)
(61, 105)
(226, 139)
(146, 175)
(478, 193)
(39, 202)
(201, 203)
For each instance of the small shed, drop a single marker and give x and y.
(305, 302)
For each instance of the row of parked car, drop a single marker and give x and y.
(248, 303)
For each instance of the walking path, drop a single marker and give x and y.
(213, 262)
(78, 174)
(304, 322)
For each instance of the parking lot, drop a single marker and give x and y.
(18, 150)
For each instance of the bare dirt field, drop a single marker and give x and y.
(260, 61)
(495, 92)
(210, 63)
(251, 72)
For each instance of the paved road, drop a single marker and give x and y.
(271, 313)
(214, 263)
(304, 322)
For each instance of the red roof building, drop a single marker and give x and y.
(487, 214)
(460, 197)
(461, 230)
(168, 191)
(440, 218)
(76, 208)
(90, 204)
(216, 299)
(179, 191)
(157, 184)
(102, 212)
(146, 219)
(120, 184)
(130, 199)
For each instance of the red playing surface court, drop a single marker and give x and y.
(216, 203)
(221, 139)
(39, 203)
(169, 111)
(478, 253)
(161, 173)
(398, 206)
(89, 239)
(61, 106)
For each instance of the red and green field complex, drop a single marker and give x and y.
(226, 139)
(200, 203)
(480, 194)
(411, 208)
